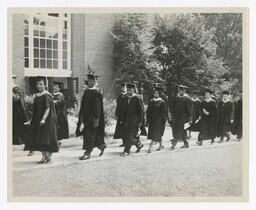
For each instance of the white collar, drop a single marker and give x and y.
(208, 100)
(92, 88)
(225, 101)
(42, 93)
(157, 99)
(57, 93)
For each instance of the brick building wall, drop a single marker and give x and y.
(98, 48)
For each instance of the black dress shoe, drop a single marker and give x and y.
(172, 148)
(199, 143)
(102, 151)
(185, 146)
(121, 145)
(84, 157)
(139, 148)
(124, 154)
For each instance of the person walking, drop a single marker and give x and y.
(92, 119)
(156, 119)
(19, 117)
(61, 112)
(119, 112)
(180, 116)
(196, 103)
(238, 117)
(226, 115)
(133, 118)
(43, 125)
(207, 118)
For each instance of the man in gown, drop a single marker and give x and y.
(61, 112)
(133, 118)
(181, 116)
(238, 117)
(92, 118)
(119, 131)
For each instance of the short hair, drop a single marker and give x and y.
(39, 79)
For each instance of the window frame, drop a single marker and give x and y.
(59, 60)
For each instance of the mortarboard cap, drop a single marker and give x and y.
(91, 75)
(182, 87)
(131, 85)
(225, 92)
(16, 89)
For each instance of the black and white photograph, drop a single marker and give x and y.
(139, 104)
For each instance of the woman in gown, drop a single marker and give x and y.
(43, 127)
(156, 119)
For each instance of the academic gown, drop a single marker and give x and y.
(19, 117)
(156, 118)
(181, 113)
(196, 113)
(133, 117)
(119, 113)
(92, 111)
(238, 118)
(226, 114)
(61, 112)
(208, 122)
(43, 138)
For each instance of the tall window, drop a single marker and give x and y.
(26, 42)
(49, 40)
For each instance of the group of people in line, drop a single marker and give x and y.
(210, 116)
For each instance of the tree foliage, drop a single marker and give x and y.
(198, 50)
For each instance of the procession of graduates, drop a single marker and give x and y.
(206, 114)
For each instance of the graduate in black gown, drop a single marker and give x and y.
(61, 112)
(156, 119)
(92, 118)
(196, 103)
(238, 117)
(207, 118)
(119, 112)
(19, 117)
(181, 116)
(226, 117)
(43, 125)
(133, 118)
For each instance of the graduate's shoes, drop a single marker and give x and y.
(121, 145)
(84, 157)
(172, 148)
(184, 146)
(199, 143)
(102, 151)
(139, 148)
(124, 154)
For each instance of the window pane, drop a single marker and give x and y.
(65, 54)
(65, 64)
(42, 43)
(36, 21)
(49, 64)
(42, 23)
(36, 42)
(64, 35)
(55, 54)
(55, 64)
(26, 62)
(49, 53)
(49, 43)
(26, 41)
(42, 33)
(36, 53)
(64, 45)
(36, 33)
(53, 14)
(42, 63)
(36, 63)
(26, 52)
(26, 30)
(65, 25)
(55, 44)
(42, 53)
